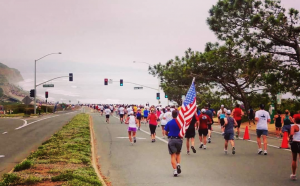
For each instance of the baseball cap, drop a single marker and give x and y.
(222, 105)
(203, 110)
(131, 112)
(228, 112)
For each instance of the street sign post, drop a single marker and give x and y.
(48, 85)
(27, 100)
(138, 88)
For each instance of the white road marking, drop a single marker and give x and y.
(4, 133)
(2, 156)
(25, 125)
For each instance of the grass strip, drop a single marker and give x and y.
(64, 159)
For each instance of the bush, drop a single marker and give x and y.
(10, 179)
(24, 165)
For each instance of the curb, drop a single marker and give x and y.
(95, 163)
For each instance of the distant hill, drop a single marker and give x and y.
(9, 75)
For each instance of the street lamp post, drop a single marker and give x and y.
(158, 89)
(34, 103)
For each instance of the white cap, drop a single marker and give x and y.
(131, 113)
(222, 105)
(228, 112)
(203, 110)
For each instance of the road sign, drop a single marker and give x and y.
(27, 100)
(138, 88)
(48, 85)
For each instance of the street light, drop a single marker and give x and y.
(34, 105)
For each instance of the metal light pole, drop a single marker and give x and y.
(34, 103)
(158, 89)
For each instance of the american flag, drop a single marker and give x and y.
(187, 111)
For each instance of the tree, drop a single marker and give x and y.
(262, 28)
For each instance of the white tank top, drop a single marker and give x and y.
(131, 122)
(296, 136)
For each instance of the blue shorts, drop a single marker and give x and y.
(260, 132)
(286, 128)
(229, 136)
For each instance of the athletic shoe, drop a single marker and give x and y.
(223, 133)
(259, 151)
(265, 152)
(209, 140)
(134, 140)
(201, 146)
(193, 148)
(233, 150)
(225, 151)
(131, 143)
(188, 152)
(204, 147)
(139, 128)
(237, 137)
(152, 141)
(175, 173)
(293, 177)
(178, 169)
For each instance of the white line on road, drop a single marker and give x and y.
(25, 125)
(128, 137)
(2, 156)
(25, 121)
(4, 133)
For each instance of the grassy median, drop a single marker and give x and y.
(65, 159)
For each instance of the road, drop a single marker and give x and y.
(19, 137)
(147, 163)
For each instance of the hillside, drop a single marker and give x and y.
(9, 75)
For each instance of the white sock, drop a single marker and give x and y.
(178, 164)
(260, 149)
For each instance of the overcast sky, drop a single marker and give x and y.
(102, 35)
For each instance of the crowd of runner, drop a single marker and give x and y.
(202, 121)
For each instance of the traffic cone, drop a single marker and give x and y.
(246, 134)
(284, 144)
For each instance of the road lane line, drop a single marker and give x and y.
(128, 137)
(35, 122)
(4, 133)
(2, 156)
(25, 121)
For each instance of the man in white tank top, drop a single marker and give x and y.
(295, 144)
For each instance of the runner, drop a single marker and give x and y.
(158, 112)
(111, 107)
(174, 144)
(237, 114)
(190, 134)
(101, 109)
(202, 126)
(295, 144)
(152, 124)
(263, 118)
(142, 112)
(107, 113)
(251, 116)
(210, 114)
(146, 114)
(121, 111)
(139, 117)
(221, 117)
(131, 121)
(163, 122)
(229, 132)
(287, 120)
(278, 123)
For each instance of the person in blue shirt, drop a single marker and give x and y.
(210, 114)
(175, 143)
(146, 112)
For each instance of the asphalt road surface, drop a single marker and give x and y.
(147, 163)
(19, 137)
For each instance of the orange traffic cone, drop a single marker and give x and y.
(284, 144)
(246, 135)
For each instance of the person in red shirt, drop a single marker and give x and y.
(202, 127)
(237, 114)
(152, 124)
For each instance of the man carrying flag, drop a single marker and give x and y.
(176, 128)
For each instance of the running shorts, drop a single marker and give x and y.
(121, 115)
(209, 127)
(107, 116)
(203, 132)
(175, 146)
(222, 122)
(139, 118)
(295, 147)
(131, 129)
(152, 128)
(239, 122)
(229, 136)
(261, 132)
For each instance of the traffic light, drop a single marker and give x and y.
(166, 96)
(32, 93)
(70, 76)
(158, 96)
(121, 82)
(105, 81)
(46, 94)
